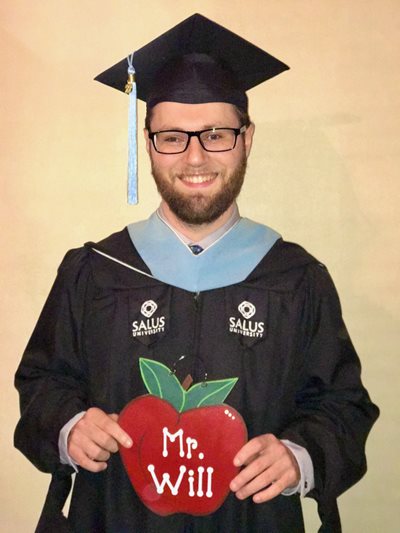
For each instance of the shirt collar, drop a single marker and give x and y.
(212, 237)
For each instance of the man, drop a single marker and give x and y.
(229, 298)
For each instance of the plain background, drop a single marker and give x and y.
(323, 172)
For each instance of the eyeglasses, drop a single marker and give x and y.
(211, 140)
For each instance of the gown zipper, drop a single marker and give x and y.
(198, 369)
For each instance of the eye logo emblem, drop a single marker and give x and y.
(148, 308)
(247, 309)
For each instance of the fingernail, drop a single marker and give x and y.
(237, 461)
(128, 443)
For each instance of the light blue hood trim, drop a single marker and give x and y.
(226, 262)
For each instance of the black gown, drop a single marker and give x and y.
(299, 378)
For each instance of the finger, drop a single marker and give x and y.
(105, 441)
(270, 483)
(252, 470)
(100, 426)
(269, 493)
(89, 448)
(81, 459)
(93, 466)
(274, 464)
(261, 481)
(251, 449)
(84, 432)
(95, 453)
(113, 429)
(81, 435)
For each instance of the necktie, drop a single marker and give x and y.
(196, 249)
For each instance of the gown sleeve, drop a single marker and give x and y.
(51, 378)
(334, 413)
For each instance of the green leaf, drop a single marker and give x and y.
(208, 393)
(161, 382)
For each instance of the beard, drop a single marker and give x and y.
(197, 209)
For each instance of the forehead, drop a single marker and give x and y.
(171, 115)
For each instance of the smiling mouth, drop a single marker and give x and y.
(198, 179)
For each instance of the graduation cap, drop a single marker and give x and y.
(197, 61)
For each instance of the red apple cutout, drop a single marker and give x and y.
(184, 442)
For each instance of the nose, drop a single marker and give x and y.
(195, 154)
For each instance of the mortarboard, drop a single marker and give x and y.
(197, 61)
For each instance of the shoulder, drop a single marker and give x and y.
(115, 241)
(285, 257)
(315, 274)
(78, 261)
(288, 265)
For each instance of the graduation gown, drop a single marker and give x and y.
(299, 376)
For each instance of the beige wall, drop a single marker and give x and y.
(323, 172)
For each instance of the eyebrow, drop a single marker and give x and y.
(205, 127)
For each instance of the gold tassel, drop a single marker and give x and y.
(129, 83)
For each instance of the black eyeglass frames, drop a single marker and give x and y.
(211, 140)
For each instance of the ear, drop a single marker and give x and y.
(248, 138)
(147, 140)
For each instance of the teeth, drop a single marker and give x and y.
(198, 179)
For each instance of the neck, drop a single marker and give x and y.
(195, 232)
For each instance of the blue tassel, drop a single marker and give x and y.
(130, 88)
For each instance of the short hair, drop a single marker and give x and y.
(242, 115)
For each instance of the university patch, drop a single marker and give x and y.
(149, 324)
(244, 323)
(149, 315)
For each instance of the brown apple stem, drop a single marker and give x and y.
(187, 382)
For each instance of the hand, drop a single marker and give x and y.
(94, 438)
(269, 469)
